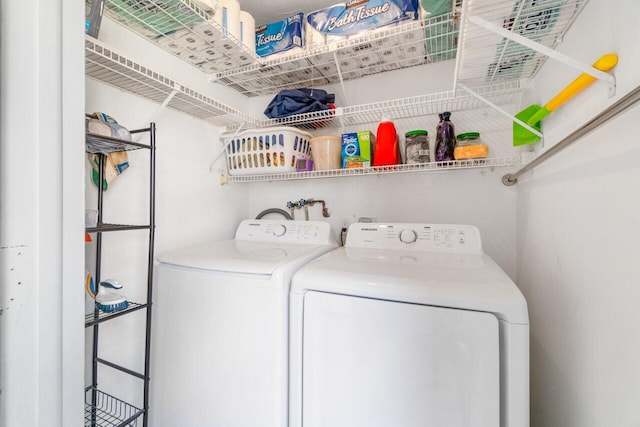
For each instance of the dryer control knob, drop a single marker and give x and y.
(408, 236)
(279, 230)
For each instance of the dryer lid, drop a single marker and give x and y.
(471, 281)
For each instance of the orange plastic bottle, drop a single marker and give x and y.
(387, 149)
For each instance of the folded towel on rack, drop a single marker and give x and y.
(298, 101)
(115, 162)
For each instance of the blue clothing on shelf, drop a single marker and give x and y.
(297, 101)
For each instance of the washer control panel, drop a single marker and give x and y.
(419, 237)
(318, 232)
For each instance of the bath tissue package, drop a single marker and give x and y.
(350, 18)
(279, 36)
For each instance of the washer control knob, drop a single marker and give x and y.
(408, 236)
(279, 230)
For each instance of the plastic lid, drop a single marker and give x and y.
(325, 138)
(446, 115)
(469, 135)
(416, 132)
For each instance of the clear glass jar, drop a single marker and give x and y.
(469, 147)
(416, 147)
(468, 138)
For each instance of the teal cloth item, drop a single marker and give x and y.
(435, 7)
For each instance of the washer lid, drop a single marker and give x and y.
(241, 256)
(471, 281)
(260, 246)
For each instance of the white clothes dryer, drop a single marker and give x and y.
(220, 335)
(408, 325)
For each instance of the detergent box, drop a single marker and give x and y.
(350, 18)
(357, 149)
(279, 36)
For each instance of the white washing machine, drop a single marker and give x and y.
(408, 325)
(220, 333)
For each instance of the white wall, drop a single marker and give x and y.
(473, 197)
(578, 231)
(41, 314)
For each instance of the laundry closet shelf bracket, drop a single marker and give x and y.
(339, 71)
(165, 103)
(502, 111)
(545, 50)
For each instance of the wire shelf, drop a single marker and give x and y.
(105, 144)
(104, 410)
(184, 29)
(492, 162)
(188, 31)
(91, 319)
(104, 64)
(380, 50)
(103, 228)
(486, 57)
(397, 109)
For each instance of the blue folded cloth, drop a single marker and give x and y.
(297, 101)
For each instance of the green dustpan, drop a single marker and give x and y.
(533, 114)
(522, 135)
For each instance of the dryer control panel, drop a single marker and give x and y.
(419, 237)
(316, 232)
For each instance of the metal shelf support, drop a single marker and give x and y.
(552, 53)
(165, 103)
(339, 70)
(501, 111)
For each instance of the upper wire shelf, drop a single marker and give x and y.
(186, 30)
(383, 49)
(485, 57)
(398, 109)
(183, 28)
(104, 64)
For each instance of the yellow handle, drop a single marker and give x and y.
(605, 63)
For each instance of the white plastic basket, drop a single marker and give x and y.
(268, 150)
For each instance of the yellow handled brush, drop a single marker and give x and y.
(533, 114)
